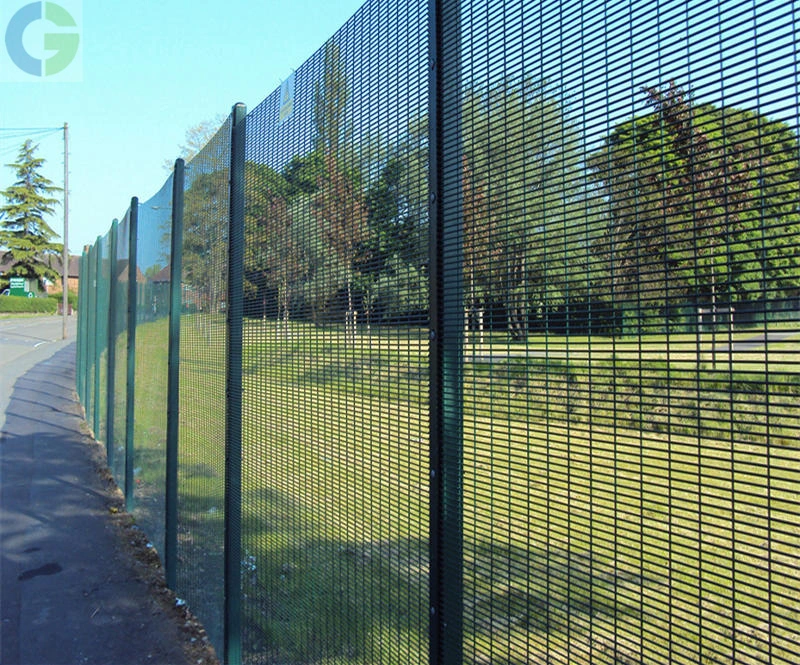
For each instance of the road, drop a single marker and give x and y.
(25, 342)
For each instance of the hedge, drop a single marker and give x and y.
(21, 304)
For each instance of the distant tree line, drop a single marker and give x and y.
(686, 206)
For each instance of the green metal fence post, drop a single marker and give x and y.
(92, 357)
(111, 344)
(233, 424)
(81, 336)
(447, 321)
(130, 392)
(97, 347)
(173, 377)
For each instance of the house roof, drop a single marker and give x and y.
(51, 260)
(162, 275)
(55, 262)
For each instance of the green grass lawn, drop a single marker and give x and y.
(625, 501)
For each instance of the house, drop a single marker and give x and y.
(73, 274)
(53, 261)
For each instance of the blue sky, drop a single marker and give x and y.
(150, 71)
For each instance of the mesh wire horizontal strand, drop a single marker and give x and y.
(629, 196)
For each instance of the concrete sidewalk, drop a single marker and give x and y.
(71, 593)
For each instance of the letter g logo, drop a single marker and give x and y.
(65, 44)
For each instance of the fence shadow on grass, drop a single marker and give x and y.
(514, 596)
(310, 595)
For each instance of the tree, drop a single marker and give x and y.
(339, 204)
(205, 237)
(703, 202)
(273, 258)
(520, 192)
(398, 230)
(24, 231)
(195, 138)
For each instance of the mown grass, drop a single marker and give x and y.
(624, 501)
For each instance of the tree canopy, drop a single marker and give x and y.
(703, 205)
(520, 190)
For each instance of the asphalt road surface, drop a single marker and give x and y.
(25, 342)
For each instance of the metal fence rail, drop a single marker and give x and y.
(476, 341)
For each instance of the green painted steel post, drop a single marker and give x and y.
(233, 416)
(112, 355)
(173, 377)
(98, 349)
(447, 337)
(81, 336)
(130, 393)
(91, 343)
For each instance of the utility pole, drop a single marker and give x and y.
(65, 253)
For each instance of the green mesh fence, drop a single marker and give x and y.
(203, 352)
(90, 340)
(335, 497)
(101, 349)
(512, 372)
(628, 228)
(118, 345)
(151, 352)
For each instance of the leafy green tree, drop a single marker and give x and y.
(273, 257)
(195, 138)
(339, 205)
(302, 174)
(24, 231)
(703, 205)
(521, 192)
(205, 237)
(398, 230)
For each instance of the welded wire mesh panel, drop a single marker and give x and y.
(201, 479)
(335, 352)
(629, 234)
(118, 320)
(154, 227)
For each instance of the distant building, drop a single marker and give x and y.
(52, 261)
(73, 274)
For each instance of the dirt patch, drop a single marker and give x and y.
(136, 552)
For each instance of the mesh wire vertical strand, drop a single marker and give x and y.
(335, 359)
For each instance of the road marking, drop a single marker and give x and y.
(36, 346)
